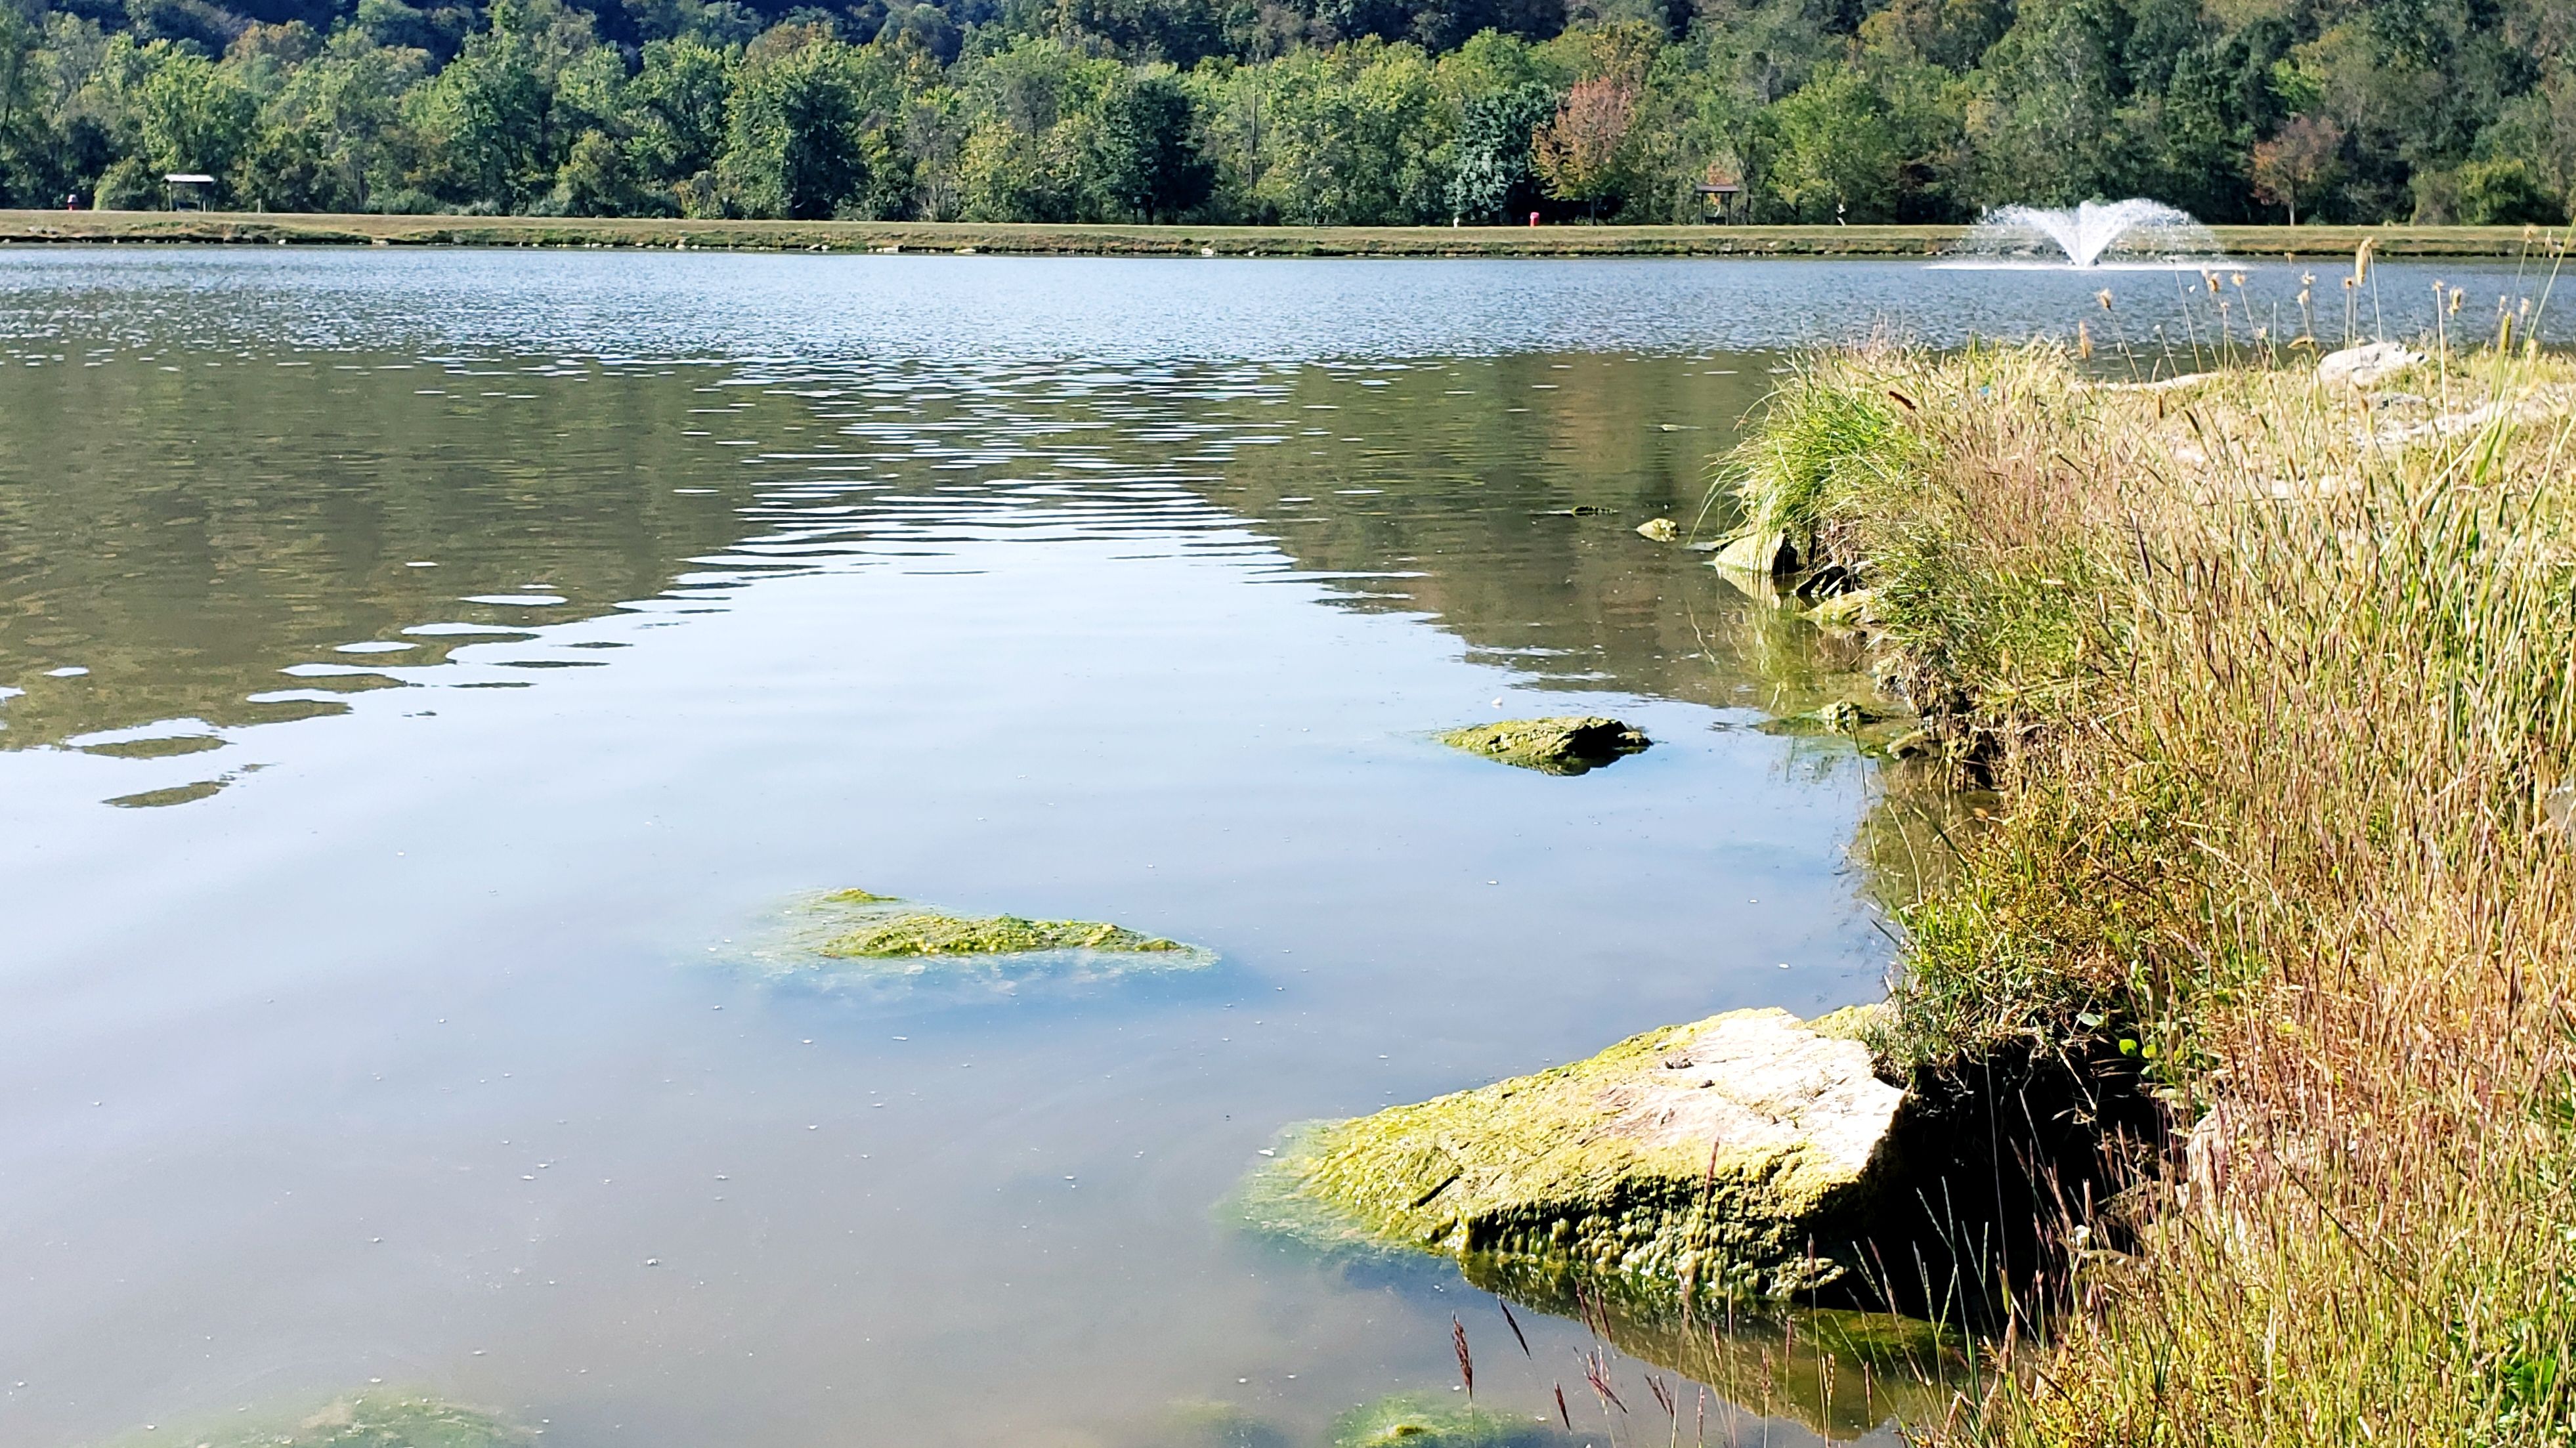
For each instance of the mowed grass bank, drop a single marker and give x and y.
(2277, 681)
(243, 228)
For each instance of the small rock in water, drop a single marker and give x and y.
(1564, 744)
(1844, 610)
(2367, 365)
(1661, 530)
(1762, 555)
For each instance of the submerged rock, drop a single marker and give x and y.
(1422, 1421)
(850, 936)
(1845, 610)
(368, 1420)
(917, 933)
(2367, 365)
(1565, 744)
(1721, 1156)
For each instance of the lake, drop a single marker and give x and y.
(427, 675)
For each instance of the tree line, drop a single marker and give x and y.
(1351, 112)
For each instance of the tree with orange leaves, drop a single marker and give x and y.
(1578, 152)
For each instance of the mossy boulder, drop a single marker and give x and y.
(1563, 744)
(1739, 1156)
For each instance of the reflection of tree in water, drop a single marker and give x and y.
(185, 526)
(186, 534)
(1513, 508)
(1837, 1372)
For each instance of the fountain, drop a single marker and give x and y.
(2134, 231)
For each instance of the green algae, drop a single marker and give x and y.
(365, 1420)
(922, 933)
(1562, 744)
(859, 938)
(1418, 1420)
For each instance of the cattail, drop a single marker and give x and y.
(2361, 259)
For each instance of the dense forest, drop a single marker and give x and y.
(1308, 111)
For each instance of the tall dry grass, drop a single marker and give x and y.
(2279, 690)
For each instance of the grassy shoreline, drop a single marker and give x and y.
(2276, 680)
(1033, 239)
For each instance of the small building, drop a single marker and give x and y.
(188, 190)
(1722, 203)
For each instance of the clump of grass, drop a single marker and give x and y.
(2278, 694)
(1821, 444)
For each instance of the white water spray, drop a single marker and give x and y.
(2135, 230)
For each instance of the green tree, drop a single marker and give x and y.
(796, 142)
(193, 114)
(1148, 165)
(1495, 172)
(1835, 154)
(677, 107)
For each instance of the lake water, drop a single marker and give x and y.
(428, 672)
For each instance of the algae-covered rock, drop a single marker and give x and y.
(1845, 610)
(1565, 744)
(848, 937)
(1417, 1420)
(368, 1420)
(1735, 1155)
(919, 932)
(1660, 530)
(1841, 716)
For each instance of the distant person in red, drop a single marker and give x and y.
(1533, 218)
(71, 201)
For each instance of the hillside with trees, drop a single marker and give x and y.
(1349, 112)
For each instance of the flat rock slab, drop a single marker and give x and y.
(1563, 744)
(1733, 1155)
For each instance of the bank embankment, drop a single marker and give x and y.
(2274, 677)
(1044, 239)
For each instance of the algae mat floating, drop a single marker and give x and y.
(854, 937)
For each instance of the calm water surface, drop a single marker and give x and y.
(425, 670)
